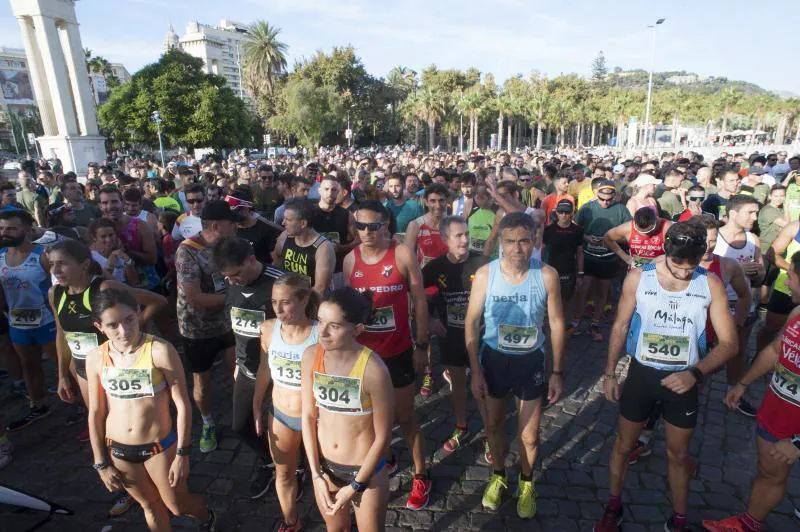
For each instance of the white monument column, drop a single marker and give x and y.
(61, 82)
(42, 91)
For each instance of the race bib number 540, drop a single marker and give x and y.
(663, 349)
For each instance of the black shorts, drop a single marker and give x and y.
(605, 269)
(200, 353)
(771, 274)
(453, 350)
(780, 303)
(80, 367)
(521, 375)
(401, 368)
(567, 282)
(643, 390)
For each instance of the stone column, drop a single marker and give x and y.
(40, 88)
(79, 77)
(54, 64)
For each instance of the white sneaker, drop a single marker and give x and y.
(5, 454)
(797, 513)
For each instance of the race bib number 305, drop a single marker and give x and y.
(786, 385)
(663, 349)
(81, 343)
(25, 318)
(382, 320)
(128, 383)
(247, 322)
(516, 338)
(338, 394)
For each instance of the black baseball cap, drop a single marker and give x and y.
(565, 205)
(220, 210)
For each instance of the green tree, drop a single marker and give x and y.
(729, 98)
(197, 109)
(431, 107)
(308, 112)
(599, 68)
(264, 62)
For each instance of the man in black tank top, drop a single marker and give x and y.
(248, 303)
(334, 223)
(300, 249)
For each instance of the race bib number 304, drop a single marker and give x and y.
(517, 338)
(247, 322)
(338, 394)
(786, 385)
(663, 349)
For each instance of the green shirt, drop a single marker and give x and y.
(766, 224)
(670, 203)
(793, 201)
(32, 202)
(480, 227)
(166, 202)
(405, 213)
(596, 221)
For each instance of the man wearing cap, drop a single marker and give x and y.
(602, 265)
(563, 241)
(205, 329)
(260, 234)
(757, 183)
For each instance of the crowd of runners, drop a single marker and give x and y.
(325, 285)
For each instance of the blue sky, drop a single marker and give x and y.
(739, 39)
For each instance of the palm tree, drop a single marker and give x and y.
(471, 105)
(539, 102)
(431, 107)
(264, 59)
(621, 101)
(729, 98)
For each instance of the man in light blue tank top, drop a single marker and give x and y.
(512, 294)
(25, 278)
(661, 323)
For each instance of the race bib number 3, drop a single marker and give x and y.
(247, 322)
(517, 338)
(128, 383)
(338, 394)
(786, 385)
(25, 318)
(663, 349)
(382, 320)
(285, 371)
(456, 315)
(80, 343)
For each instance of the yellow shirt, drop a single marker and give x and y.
(576, 187)
(585, 196)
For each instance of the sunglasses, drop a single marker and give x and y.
(605, 200)
(696, 198)
(371, 226)
(686, 240)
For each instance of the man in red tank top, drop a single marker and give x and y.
(422, 234)
(778, 419)
(644, 236)
(390, 271)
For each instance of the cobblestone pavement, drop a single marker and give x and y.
(577, 436)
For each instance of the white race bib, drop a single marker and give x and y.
(285, 369)
(247, 322)
(25, 318)
(786, 384)
(338, 394)
(517, 338)
(128, 383)
(382, 320)
(456, 314)
(81, 343)
(664, 349)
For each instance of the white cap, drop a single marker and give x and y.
(644, 180)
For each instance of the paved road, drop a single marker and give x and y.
(577, 436)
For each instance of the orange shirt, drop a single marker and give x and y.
(549, 204)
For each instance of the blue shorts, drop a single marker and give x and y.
(45, 334)
(765, 434)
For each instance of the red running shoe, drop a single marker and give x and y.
(420, 494)
(731, 524)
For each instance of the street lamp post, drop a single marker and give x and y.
(157, 119)
(239, 66)
(461, 126)
(349, 132)
(650, 83)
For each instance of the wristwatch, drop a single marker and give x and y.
(697, 374)
(100, 466)
(183, 451)
(358, 487)
(421, 345)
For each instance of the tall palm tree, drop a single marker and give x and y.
(472, 105)
(431, 108)
(539, 103)
(729, 98)
(264, 59)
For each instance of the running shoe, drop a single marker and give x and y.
(211, 524)
(456, 440)
(33, 415)
(493, 494)
(448, 379)
(574, 328)
(797, 513)
(208, 439)
(263, 478)
(746, 408)
(391, 465)
(121, 505)
(427, 385)
(640, 450)
(286, 527)
(53, 390)
(671, 526)
(76, 415)
(594, 332)
(420, 494)
(526, 499)
(487, 453)
(611, 520)
(84, 435)
(19, 389)
(5, 453)
(731, 524)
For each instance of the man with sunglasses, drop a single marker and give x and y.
(391, 272)
(601, 264)
(665, 304)
(189, 223)
(738, 242)
(695, 197)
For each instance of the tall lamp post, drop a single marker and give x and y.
(157, 119)
(650, 83)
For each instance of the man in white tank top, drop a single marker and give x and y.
(737, 242)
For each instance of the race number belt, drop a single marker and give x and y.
(247, 322)
(517, 338)
(81, 343)
(664, 349)
(338, 394)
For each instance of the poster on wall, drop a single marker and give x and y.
(17, 87)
